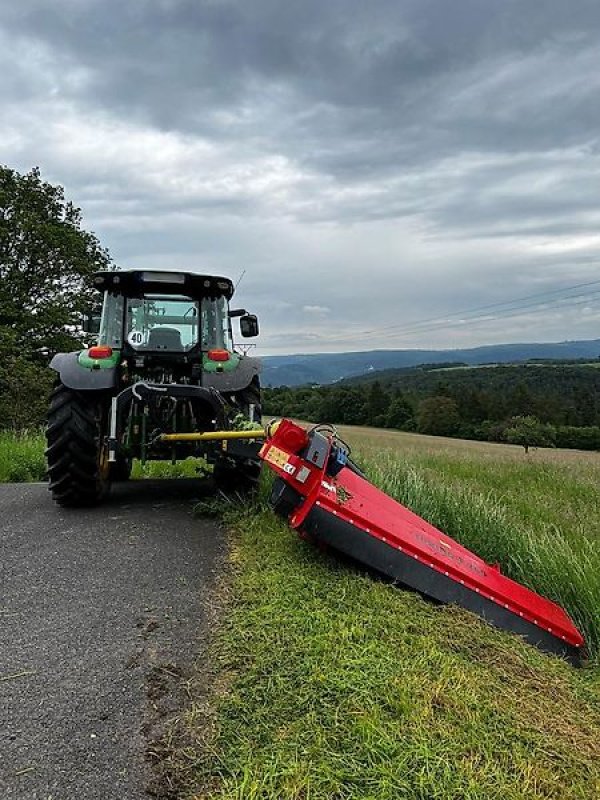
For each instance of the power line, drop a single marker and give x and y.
(444, 319)
(532, 308)
(508, 306)
(519, 312)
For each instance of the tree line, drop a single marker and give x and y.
(46, 259)
(533, 404)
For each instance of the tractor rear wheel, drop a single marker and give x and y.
(78, 465)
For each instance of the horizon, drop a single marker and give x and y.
(427, 349)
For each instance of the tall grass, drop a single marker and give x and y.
(329, 684)
(22, 456)
(560, 562)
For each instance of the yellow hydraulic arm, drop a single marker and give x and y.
(209, 436)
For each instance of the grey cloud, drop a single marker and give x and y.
(385, 160)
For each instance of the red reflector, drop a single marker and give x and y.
(100, 351)
(218, 355)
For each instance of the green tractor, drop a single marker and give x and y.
(163, 382)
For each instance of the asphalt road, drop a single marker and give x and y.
(102, 614)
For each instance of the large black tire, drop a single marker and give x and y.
(250, 396)
(77, 463)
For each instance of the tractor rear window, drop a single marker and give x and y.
(162, 323)
(170, 324)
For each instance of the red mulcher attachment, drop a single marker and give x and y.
(327, 498)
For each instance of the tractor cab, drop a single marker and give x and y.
(184, 316)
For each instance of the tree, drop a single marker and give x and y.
(377, 404)
(344, 405)
(438, 416)
(472, 404)
(520, 400)
(46, 259)
(400, 413)
(529, 432)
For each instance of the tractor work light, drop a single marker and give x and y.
(218, 355)
(100, 351)
(163, 277)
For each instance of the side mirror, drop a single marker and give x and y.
(249, 325)
(90, 321)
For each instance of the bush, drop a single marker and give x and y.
(578, 438)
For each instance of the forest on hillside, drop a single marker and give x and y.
(553, 404)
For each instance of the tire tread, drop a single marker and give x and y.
(72, 449)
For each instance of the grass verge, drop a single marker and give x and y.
(330, 684)
(22, 457)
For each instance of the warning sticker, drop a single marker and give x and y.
(277, 457)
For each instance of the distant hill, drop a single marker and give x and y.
(324, 368)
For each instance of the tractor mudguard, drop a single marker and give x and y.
(234, 380)
(75, 376)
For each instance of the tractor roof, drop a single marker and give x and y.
(139, 282)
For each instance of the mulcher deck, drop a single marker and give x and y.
(330, 502)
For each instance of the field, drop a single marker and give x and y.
(327, 683)
(372, 440)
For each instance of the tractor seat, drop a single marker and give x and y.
(164, 339)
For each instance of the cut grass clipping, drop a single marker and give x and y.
(331, 684)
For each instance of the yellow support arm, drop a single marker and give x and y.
(210, 436)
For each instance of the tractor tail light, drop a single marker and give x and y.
(218, 355)
(100, 351)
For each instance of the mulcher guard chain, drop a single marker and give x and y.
(326, 498)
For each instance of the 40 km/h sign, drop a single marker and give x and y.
(136, 338)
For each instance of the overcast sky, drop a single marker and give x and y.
(369, 164)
